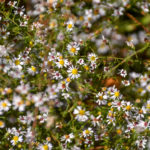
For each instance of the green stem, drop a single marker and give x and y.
(126, 59)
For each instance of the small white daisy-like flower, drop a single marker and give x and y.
(62, 63)
(63, 85)
(81, 114)
(18, 103)
(101, 98)
(67, 138)
(80, 61)
(23, 88)
(2, 124)
(16, 139)
(5, 105)
(148, 105)
(45, 146)
(32, 70)
(73, 48)
(106, 69)
(70, 25)
(126, 82)
(128, 107)
(123, 73)
(95, 120)
(57, 75)
(148, 87)
(73, 72)
(116, 94)
(130, 43)
(92, 57)
(143, 80)
(141, 142)
(87, 132)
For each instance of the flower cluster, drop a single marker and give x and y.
(74, 75)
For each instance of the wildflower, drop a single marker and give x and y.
(32, 70)
(141, 142)
(23, 88)
(57, 75)
(18, 103)
(95, 120)
(106, 69)
(67, 138)
(81, 114)
(63, 85)
(143, 80)
(87, 132)
(102, 46)
(92, 57)
(126, 82)
(80, 61)
(62, 63)
(5, 105)
(117, 104)
(16, 138)
(101, 98)
(148, 87)
(116, 94)
(148, 105)
(45, 146)
(70, 25)
(2, 124)
(73, 48)
(130, 43)
(73, 72)
(123, 73)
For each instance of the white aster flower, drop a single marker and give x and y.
(81, 114)
(67, 138)
(73, 48)
(73, 72)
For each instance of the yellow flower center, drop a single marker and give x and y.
(9, 90)
(74, 71)
(52, 24)
(148, 106)
(61, 62)
(92, 58)
(119, 131)
(1, 123)
(19, 146)
(86, 67)
(117, 94)
(128, 107)
(15, 138)
(110, 114)
(101, 97)
(73, 50)
(67, 136)
(149, 87)
(141, 111)
(140, 90)
(4, 104)
(33, 68)
(45, 147)
(99, 113)
(17, 62)
(81, 112)
(109, 104)
(87, 132)
(69, 26)
(68, 79)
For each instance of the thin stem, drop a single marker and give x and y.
(126, 59)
